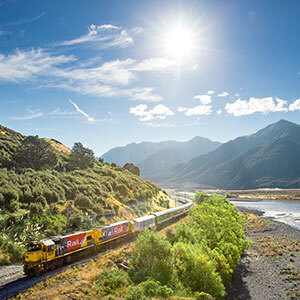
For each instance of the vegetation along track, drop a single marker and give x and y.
(23, 282)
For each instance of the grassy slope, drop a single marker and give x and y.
(33, 204)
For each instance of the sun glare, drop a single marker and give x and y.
(179, 43)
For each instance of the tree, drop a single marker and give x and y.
(195, 270)
(81, 157)
(200, 197)
(132, 168)
(151, 258)
(35, 153)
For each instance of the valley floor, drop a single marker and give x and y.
(270, 267)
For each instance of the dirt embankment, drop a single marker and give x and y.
(270, 267)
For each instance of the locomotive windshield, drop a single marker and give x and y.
(34, 247)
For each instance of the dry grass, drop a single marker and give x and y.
(254, 223)
(273, 246)
(286, 194)
(58, 146)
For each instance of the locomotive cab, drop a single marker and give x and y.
(36, 255)
(33, 257)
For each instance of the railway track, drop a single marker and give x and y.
(24, 282)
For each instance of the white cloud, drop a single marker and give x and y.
(108, 79)
(219, 111)
(224, 94)
(154, 64)
(24, 65)
(210, 92)
(159, 111)
(295, 105)
(263, 105)
(106, 36)
(196, 111)
(90, 119)
(32, 115)
(204, 99)
(60, 113)
(24, 21)
(145, 94)
(280, 106)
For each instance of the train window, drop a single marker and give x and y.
(50, 248)
(34, 247)
(89, 238)
(44, 249)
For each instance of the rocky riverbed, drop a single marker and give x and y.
(270, 267)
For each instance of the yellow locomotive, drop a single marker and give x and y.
(49, 254)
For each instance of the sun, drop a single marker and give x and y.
(179, 42)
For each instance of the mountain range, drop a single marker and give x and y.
(267, 158)
(154, 158)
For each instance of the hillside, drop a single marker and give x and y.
(154, 158)
(267, 158)
(39, 182)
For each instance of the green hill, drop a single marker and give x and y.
(41, 179)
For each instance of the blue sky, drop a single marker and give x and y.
(108, 73)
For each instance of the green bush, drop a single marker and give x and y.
(83, 202)
(149, 289)
(110, 280)
(203, 296)
(200, 197)
(151, 258)
(196, 270)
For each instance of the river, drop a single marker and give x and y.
(286, 211)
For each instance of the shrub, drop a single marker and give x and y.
(136, 293)
(151, 258)
(36, 209)
(83, 202)
(196, 270)
(207, 250)
(153, 288)
(122, 189)
(203, 296)
(149, 289)
(132, 168)
(200, 197)
(109, 280)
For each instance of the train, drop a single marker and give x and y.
(49, 254)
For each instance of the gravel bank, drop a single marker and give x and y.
(8, 273)
(270, 267)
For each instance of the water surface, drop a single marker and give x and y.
(286, 211)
